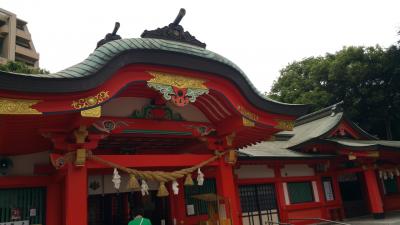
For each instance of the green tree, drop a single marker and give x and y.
(366, 79)
(20, 67)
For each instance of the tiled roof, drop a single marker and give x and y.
(275, 149)
(311, 127)
(102, 55)
(366, 144)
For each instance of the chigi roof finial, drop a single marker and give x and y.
(174, 32)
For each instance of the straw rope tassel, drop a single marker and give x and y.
(162, 190)
(189, 180)
(133, 183)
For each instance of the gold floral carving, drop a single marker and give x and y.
(176, 80)
(284, 124)
(18, 106)
(247, 122)
(247, 113)
(93, 112)
(91, 100)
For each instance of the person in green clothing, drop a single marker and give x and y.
(139, 219)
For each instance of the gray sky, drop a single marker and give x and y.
(261, 37)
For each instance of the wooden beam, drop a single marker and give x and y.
(148, 161)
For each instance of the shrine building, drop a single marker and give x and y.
(162, 126)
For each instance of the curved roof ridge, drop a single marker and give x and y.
(328, 111)
(100, 56)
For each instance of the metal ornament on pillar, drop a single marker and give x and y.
(231, 157)
(80, 157)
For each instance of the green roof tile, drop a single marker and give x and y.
(104, 53)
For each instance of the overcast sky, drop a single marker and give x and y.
(261, 37)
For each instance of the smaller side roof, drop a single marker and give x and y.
(363, 144)
(314, 126)
(275, 150)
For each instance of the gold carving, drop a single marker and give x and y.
(91, 100)
(18, 106)
(231, 157)
(247, 113)
(247, 122)
(284, 124)
(373, 154)
(176, 80)
(80, 157)
(93, 112)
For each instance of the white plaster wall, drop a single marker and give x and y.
(23, 165)
(124, 107)
(254, 171)
(296, 170)
(286, 193)
(315, 190)
(189, 112)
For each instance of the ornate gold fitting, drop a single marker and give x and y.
(249, 118)
(231, 157)
(91, 100)
(284, 124)
(179, 90)
(93, 112)
(18, 106)
(247, 122)
(80, 157)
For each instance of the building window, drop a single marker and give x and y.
(195, 207)
(328, 188)
(390, 186)
(258, 202)
(23, 204)
(22, 42)
(300, 192)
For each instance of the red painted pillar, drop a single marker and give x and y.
(76, 195)
(226, 187)
(374, 194)
(280, 195)
(53, 203)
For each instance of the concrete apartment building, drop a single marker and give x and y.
(16, 41)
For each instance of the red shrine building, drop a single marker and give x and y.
(163, 126)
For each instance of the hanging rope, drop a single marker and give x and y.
(160, 176)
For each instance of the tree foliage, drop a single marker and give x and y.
(20, 67)
(367, 79)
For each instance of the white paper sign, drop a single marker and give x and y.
(32, 212)
(190, 210)
(328, 191)
(24, 222)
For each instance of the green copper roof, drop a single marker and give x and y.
(106, 52)
(366, 144)
(275, 149)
